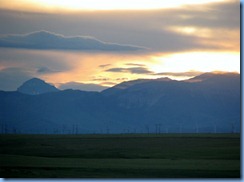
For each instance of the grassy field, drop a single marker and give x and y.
(120, 156)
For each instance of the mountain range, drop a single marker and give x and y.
(208, 103)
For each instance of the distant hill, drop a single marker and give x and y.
(36, 86)
(208, 103)
(215, 77)
(127, 84)
(81, 86)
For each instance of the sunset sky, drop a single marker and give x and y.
(106, 42)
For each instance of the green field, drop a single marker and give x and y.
(120, 156)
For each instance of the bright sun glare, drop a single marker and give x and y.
(200, 61)
(109, 4)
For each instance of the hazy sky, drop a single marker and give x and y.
(106, 42)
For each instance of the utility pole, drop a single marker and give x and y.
(232, 127)
(166, 129)
(197, 128)
(63, 129)
(73, 129)
(134, 130)
(147, 129)
(107, 130)
(158, 128)
(6, 129)
(215, 127)
(76, 129)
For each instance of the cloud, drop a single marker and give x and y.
(134, 64)
(180, 74)
(219, 15)
(104, 65)
(133, 70)
(45, 70)
(121, 79)
(47, 40)
(214, 27)
(65, 66)
(19, 65)
(13, 77)
(38, 61)
(101, 79)
(151, 29)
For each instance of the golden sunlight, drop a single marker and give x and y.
(89, 70)
(98, 4)
(194, 31)
(199, 61)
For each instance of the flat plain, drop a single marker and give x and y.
(120, 156)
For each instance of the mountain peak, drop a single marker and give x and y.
(163, 79)
(35, 80)
(213, 75)
(36, 86)
(130, 83)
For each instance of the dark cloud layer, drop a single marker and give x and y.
(45, 70)
(143, 70)
(11, 78)
(20, 65)
(104, 65)
(145, 28)
(48, 40)
(134, 64)
(180, 74)
(217, 28)
(35, 60)
(133, 70)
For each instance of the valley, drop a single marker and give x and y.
(120, 156)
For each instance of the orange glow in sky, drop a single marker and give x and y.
(98, 4)
(88, 71)
(200, 61)
(181, 36)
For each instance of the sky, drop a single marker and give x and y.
(106, 42)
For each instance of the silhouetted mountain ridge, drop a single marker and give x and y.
(128, 84)
(36, 86)
(145, 106)
(212, 76)
(82, 86)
